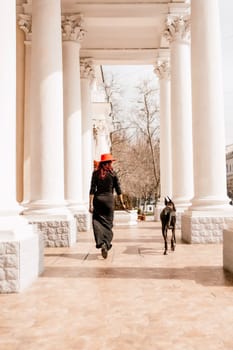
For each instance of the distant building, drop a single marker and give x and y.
(229, 170)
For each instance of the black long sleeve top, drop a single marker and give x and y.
(106, 185)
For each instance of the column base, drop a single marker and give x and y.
(14, 210)
(210, 204)
(21, 254)
(204, 226)
(55, 222)
(228, 248)
(42, 207)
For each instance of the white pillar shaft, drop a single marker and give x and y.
(20, 70)
(46, 148)
(87, 165)
(72, 122)
(27, 161)
(182, 168)
(165, 139)
(8, 107)
(208, 114)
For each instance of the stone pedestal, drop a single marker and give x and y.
(21, 254)
(204, 226)
(228, 248)
(83, 219)
(57, 230)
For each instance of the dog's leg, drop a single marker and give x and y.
(173, 240)
(165, 240)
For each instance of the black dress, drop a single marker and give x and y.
(103, 203)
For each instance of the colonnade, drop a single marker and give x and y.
(54, 125)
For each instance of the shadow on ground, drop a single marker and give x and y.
(205, 275)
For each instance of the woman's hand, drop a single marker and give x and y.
(122, 202)
(123, 205)
(91, 207)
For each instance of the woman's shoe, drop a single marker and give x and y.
(104, 251)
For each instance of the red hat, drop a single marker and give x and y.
(107, 157)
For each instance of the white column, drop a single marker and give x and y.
(162, 70)
(208, 110)
(72, 35)
(27, 158)
(177, 33)
(8, 202)
(20, 73)
(46, 142)
(25, 24)
(210, 212)
(87, 76)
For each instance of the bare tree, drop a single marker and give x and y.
(145, 118)
(135, 139)
(113, 93)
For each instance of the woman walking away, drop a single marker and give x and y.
(104, 181)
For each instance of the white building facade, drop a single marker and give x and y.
(51, 50)
(229, 169)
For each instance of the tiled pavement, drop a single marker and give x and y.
(136, 299)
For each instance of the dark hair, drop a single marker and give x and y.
(105, 168)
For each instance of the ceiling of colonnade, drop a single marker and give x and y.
(122, 32)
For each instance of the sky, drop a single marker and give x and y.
(137, 73)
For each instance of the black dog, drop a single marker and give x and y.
(168, 220)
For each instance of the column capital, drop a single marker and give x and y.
(177, 28)
(162, 70)
(72, 27)
(86, 68)
(25, 23)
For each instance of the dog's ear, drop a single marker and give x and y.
(165, 201)
(174, 207)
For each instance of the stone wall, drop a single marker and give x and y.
(9, 267)
(83, 221)
(57, 233)
(203, 229)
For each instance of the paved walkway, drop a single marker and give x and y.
(136, 299)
